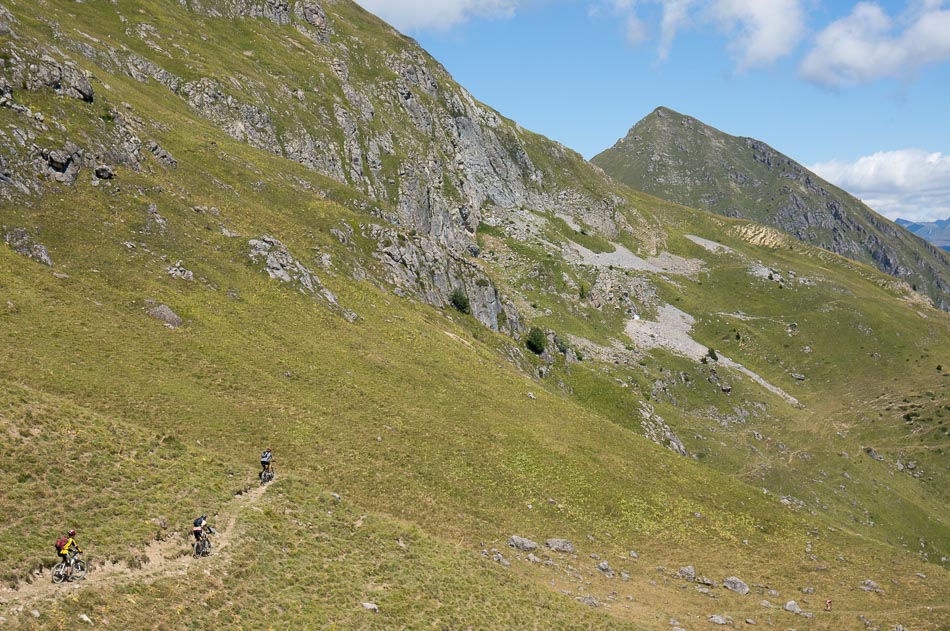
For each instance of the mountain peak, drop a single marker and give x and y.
(679, 158)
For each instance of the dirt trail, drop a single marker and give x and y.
(171, 557)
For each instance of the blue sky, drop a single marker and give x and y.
(858, 91)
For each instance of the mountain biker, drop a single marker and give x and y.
(267, 462)
(199, 527)
(68, 553)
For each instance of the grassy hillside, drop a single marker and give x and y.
(411, 440)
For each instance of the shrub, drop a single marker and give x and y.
(535, 340)
(460, 301)
(711, 353)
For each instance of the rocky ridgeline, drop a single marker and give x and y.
(410, 138)
(455, 156)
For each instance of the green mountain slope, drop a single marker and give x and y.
(679, 158)
(178, 292)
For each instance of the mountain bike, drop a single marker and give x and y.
(203, 545)
(267, 476)
(79, 570)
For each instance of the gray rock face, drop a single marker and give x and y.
(426, 268)
(45, 72)
(166, 315)
(241, 120)
(560, 545)
(22, 243)
(520, 543)
(736, 585)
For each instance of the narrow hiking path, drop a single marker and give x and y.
(169, 557)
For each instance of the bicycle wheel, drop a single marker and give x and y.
(59, 573)
(79, 569)
(197, 549)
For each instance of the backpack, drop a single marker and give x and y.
(266, 456)
(61, 543)
(198, 523)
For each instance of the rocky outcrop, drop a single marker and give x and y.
(281, 265)
(37, 70)
(656, 429)
(23, 243)
(423, 267)
(241, 120)
(60, 165)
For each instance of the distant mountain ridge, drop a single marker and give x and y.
(683, 160)
(936, 232)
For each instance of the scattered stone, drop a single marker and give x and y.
(104, 172)
(560, 545)
(792, 607)
(798, 376)
(533, 559)
(736, 585)
(750, 621)
(84, 618)
(35, 613)
(588, 600)
(920, 575)
(499, 558)
(773, 593)
(766, 604)
(873, 454)
(520, 543)
(177, 271)
(871, 586)
(166, 315)
(595, 556)
(808, 590)
(371, 607)
(634, 555)
(688, 573)
(720, 620)
(532, 396)
(154, 222)
(604, 567)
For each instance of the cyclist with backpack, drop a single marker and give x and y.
(67, 549)
(267, 462)
(202, 544)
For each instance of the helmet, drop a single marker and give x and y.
(71, 533)
(204, 518)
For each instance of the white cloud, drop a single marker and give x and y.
(908, 183)
(868, 44)
(765, 30)
(635, 30)
(414, 15)
(760, 31)
(675, 17)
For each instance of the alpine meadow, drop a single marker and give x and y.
(503, 390)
